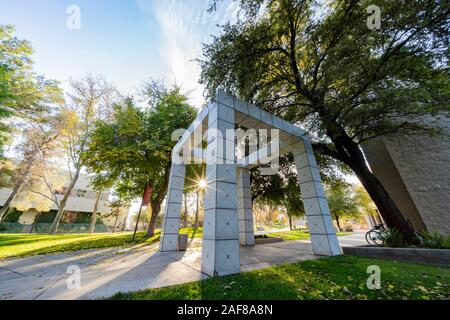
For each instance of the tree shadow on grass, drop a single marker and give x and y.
(338, 278)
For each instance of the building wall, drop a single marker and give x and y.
(416, 172)
(82, 198)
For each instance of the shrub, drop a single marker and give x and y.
(392, 238)
(46, 217)
(348, 228)
(13, 215)
(434, 240)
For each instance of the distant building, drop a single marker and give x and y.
(81, 201)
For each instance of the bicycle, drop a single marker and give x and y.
(373, 236)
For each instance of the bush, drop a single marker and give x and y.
(13, 216)
(11, 227)
(348, 228)
(434, 240)
(392, 238)
(46, 217)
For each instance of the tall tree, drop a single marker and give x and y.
(89, 101)
(282, 189)
(134, 149)
(23, 94)
(292, 200)
(37, 144)
(320, 65)
(94, 213)
(342, 203)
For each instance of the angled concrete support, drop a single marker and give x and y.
(323, 236)
(220, 251)
(244, 199)
(172, 211)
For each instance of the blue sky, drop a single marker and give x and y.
(127, 41)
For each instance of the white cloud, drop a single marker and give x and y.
(184, 26)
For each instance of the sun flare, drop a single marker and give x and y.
(202, 184)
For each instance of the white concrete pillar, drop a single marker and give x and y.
(244, 198)
(220, 251)
(323, 235)
(172, 211)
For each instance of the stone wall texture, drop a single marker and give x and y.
(416, 171)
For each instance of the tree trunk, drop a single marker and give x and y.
(185, 211)
(63, 202)
(197, 209)
(34, 222)
(290, 223)
(338, 223)
(94, 214)
(156, 207)
(16, 189)
(156, 204)
(10, 199)
(115, 221)
(387, 207)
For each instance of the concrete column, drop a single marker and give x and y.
(323, 235)
(172, 211)
(244, 196)
(220, 251)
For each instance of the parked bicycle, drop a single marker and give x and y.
(373, 236)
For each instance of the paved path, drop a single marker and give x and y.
(108, 271)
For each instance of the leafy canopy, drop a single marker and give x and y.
(317, 63)
(23, 94)
(134, 148)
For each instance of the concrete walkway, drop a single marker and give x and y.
(108, 271)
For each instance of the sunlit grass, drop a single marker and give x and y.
(297, 235)
(20, 245)
(342, 277)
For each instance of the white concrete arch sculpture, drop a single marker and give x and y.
(228, 221)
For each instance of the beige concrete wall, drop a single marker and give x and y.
(416, 171)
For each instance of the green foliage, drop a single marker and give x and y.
(392, 238)
(334, 73)
(364, 202)
(13, 215)
(22, 93)
(134, 149)
(335, 278)
(434, 240)
(317, 64)
(46, 217)
(281, 189)
(342, 202)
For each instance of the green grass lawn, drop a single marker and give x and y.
(341, 277)
(297, 234)
(192, 232)
(20, 245)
